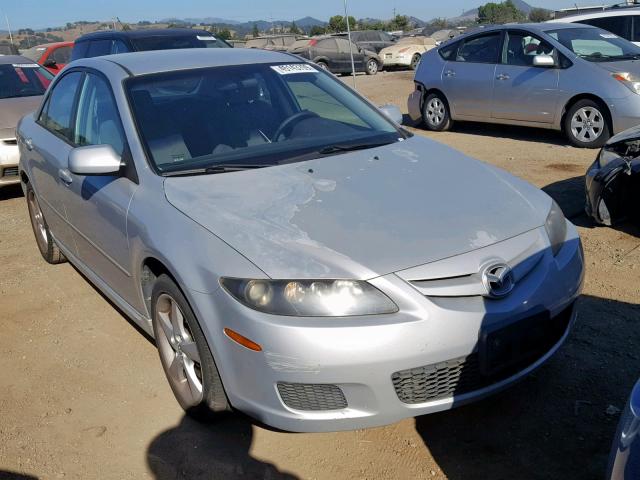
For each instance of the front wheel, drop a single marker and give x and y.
(184, 353)
(585, 124)
(435, 113)
(323, 65)
(46, 244)
(372, 67)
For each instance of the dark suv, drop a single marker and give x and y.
(333, 53)
(374, 40)
(97, 44)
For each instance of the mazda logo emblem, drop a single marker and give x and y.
(498, 280)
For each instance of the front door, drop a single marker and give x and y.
(522, 91)
(468, 80)
(98, 205)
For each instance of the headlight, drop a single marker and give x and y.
(629, 80)
(556, 226)
(605, 156)
(310, 298)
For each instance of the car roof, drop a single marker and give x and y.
(610, 12)
(10, 59)
(142, 63)
(143, 32)
(533, 27)
(54, 44)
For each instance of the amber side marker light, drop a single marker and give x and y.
(244, 341)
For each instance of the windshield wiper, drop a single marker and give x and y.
(214, 169)
(350, 148)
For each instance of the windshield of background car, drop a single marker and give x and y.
(259, 115)
(23, 80)
(595, 44)
(166, 42)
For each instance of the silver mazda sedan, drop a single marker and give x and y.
(296, 254)
(576, 78)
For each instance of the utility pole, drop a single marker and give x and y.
(9, 28)
(353, 66)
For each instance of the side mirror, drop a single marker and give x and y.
(49, 62)
(544, 61)
(94, 160)
(392, 113)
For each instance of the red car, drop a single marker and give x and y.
(52, 56)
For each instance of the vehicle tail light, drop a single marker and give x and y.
(313, 42)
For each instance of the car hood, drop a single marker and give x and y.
(362, 214)
(404, 46)
(631, 66)
(632, 133)
(13, 109)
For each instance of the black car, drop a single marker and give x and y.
(613, 181)
(109, 42)
(334, 54)
(374, 40)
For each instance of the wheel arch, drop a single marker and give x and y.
(587, 96)
(150, 269)
(428, 91)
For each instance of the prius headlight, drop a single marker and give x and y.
(556, 226)
(605, 156)
(310, 298)
(631, 81)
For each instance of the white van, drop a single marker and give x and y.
(623, 21)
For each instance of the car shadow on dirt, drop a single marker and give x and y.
(10, 191)
(6, 475)
(557, 423)
(193, 450)
(570, 195)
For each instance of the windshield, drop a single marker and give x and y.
(595, 44)
(165, 42)
(253, 115)
(23, 80)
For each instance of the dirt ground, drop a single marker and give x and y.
(82, 393)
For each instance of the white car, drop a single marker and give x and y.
(622, 21)
(407, 52)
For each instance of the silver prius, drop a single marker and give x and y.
(576, 78)
(296, 255)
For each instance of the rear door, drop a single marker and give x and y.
(345, 48)
(48, 147)
(97, 206)
(522, 91)
(327, 48)
(468, 78)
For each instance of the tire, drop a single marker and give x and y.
(47, 246)
(435, 113)
(185, 354)
(372, 67)
(323, 65)
(586, 124)
(415, 61)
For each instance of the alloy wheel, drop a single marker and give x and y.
(415, 61)
(372, 66)
(587, 124)
(435, 111)
(178, 352)
(37, 221)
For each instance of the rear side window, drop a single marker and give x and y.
(328, 44)
(62, 55)
(98, 48)
(620, 25)
(482, 49)
(57, 112)
(636, 28)
(79, 50)
(118, 46)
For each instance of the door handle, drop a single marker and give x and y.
(503, 76)
(449, 73)
(65, 176)
(28, 143)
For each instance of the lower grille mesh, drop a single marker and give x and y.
(10, 172)
(303, 396)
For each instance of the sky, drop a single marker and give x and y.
(50, 13)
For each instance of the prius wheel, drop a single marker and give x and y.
(372, 67)
(586, 125)
(47, 246)
(415, 61)
(323, 65)
(185, 354)
(435, 113)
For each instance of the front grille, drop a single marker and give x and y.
(465, 374)
(10, 172)
(304, 396)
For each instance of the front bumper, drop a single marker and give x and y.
(396, 61)
(9, 157)
(625, 112)
(360, 355)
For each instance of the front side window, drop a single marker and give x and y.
(258, 115)
(521, 48)
(118, 46)
(97, 121)
(595, 44)
(98, 48)
(448, 52)
(482, 49)
(34, 53)
(61, 55)
(23, 80)
(57, 112)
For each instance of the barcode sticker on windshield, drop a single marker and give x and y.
(25, 65)
(294, 68)
(608, 35)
